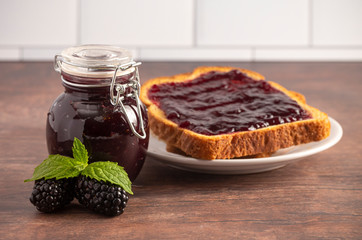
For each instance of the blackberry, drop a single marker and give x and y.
(51, 194)
(101, 197)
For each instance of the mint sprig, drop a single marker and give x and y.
(58, 167)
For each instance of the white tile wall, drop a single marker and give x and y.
(252, 23)
(196, 54)
(186, 30)
(337, 23)
(11, 54)
(141, 23)
(38, 23)
(307, 54)
(40, 53)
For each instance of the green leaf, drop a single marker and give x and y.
(109, 172)
(57, 166)
(80, 153)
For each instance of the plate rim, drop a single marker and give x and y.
(173, 158)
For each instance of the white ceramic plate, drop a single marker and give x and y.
(157, 151)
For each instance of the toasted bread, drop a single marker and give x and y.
(258, 142)
(173, 149)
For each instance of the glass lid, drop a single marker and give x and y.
(93, 60)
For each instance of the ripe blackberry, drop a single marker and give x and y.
(50, 195)
(101, 197)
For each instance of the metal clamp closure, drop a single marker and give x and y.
(130, 89)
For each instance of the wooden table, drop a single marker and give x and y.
(319, 197)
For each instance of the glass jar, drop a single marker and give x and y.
(100, 106)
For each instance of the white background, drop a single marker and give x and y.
(186, 30)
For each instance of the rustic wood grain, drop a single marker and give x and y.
(319, 197)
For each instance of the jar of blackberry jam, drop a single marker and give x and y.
(100, 106)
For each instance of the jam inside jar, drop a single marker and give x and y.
(100, 107)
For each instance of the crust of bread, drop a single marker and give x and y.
(239, 144)
(174, 149)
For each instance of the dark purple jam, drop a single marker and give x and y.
(86, 113)
(225, 102)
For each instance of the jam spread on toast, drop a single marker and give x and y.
(225, 102)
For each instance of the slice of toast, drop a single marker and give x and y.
(237, 144)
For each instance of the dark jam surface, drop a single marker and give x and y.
(225, 102)
(86, 113)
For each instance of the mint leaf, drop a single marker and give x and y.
(57, 166)
(80, 153)
(109, 172)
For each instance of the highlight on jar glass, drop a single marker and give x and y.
(100, 106)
